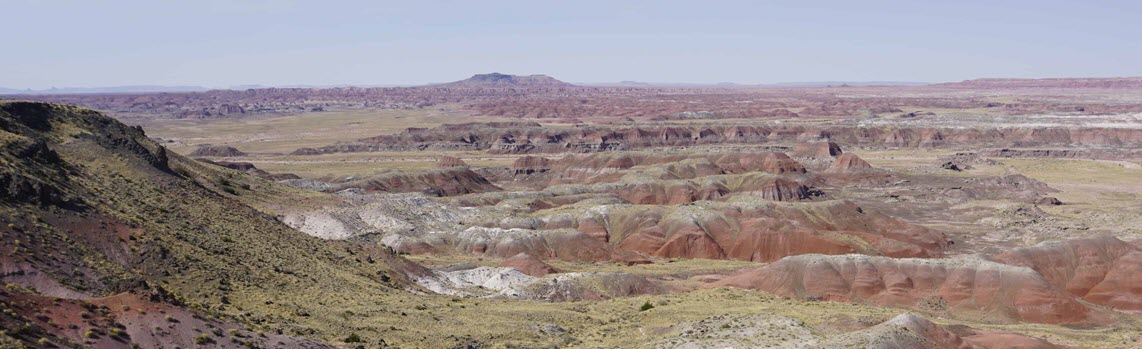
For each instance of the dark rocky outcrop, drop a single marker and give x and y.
(216, 151)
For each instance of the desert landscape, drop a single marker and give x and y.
(523, 211)
(592, 174)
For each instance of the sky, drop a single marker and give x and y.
(220, 43)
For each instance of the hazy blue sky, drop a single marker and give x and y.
(222, 43)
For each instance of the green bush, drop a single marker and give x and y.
(646, 306)
(353, 338)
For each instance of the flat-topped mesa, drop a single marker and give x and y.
(964, 288)
(530, 164)
(1102, 270)
(498, 80)
(449, 162)
(847, 163)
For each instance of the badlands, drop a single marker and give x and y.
(523, 211)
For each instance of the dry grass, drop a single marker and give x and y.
(1104, 195)
(359, 164)
(283, 134)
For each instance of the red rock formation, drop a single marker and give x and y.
(930, 138)
(781, 189)
(528, 265)
(440, 182)
(817, 149)
(849, 163)
(967, 288)
(1102, 270)
(765, 233)
(450, 161)
(657, 193)
(530, 164)
(896, 139)
(903, 331)
(991, 339)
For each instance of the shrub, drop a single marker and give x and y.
(646, 306)
(353, 338)
(203, 339)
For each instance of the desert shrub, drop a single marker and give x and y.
(353, 338)
(203, 339)
(646, 306)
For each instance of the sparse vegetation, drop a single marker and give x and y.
(646, 306)
(353, 338)
(203, 339)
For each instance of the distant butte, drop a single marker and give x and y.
(498, 80)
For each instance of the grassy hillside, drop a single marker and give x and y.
(93, 208)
